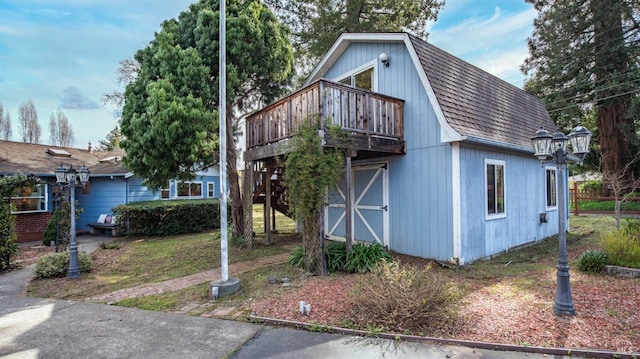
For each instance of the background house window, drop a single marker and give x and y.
(190, 190)
(495, 188)
(211, 190)
(30, 199)
(164, 192)
(551, 188)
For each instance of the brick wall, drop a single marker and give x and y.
(31, 226)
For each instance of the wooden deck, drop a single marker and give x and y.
(375, 121)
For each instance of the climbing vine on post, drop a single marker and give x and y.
(8, 236)
(311, 169)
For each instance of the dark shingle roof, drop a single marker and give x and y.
(479, 105)
(36, 159)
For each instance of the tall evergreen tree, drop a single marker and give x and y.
(583, 60)
(169, 119)
(316, 24)
(112, 141)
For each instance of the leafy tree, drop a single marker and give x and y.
(169, 118)
(583, 61)
(60, 130)
(316, 24)
(5, 124)
(311, 169)
(29, 126)
(112, 141)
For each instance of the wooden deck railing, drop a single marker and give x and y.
(355, 110)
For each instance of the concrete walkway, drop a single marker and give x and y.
(176, 284)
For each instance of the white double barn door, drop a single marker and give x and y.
(370, 208)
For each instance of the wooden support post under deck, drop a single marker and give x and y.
(273, 220)
(267, 204)
(348, 200)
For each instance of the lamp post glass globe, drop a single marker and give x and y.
(552, 148)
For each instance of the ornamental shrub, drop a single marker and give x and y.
(336, 255)
(57, 264)
(363, 257)
(8, 236)
(623, 246)
(592, 261)
(161, 218)
(296, 259)
(404, 299)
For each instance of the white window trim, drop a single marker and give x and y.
(555, 171)
(372, 64)
(491, 216)
(45, 197)
(211, 187)
(189, 197)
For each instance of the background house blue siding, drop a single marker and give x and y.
(137, 192)
(525, 200)
(420, 182)
(103, 194)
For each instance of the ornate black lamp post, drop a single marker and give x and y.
(68, 178)
(553, 149)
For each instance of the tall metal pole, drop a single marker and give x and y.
(222, 103)
(74, 268)
(563, 304)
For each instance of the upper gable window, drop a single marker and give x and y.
(362, 77)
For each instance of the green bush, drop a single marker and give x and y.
(623, 247)
(592, 261)
(592, 187)
(364, 256)
(57, 264)
(161, 218)
(336, 255)
(296, 259)
(8, 236)
(404, 299)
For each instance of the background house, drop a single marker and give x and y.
(110, 184)
(444, 166)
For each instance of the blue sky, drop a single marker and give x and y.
(63, 54)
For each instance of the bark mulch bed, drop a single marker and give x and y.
(497, 310)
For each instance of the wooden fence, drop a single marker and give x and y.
(576, 197)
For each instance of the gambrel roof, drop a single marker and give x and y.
(471, 104)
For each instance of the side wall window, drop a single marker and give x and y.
(30, 199)
(551, 187)
(211, 190)
(495, 189)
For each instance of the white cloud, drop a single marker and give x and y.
(495, 43)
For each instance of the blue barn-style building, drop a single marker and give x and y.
(442, 165)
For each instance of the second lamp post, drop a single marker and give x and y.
(553, 148)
